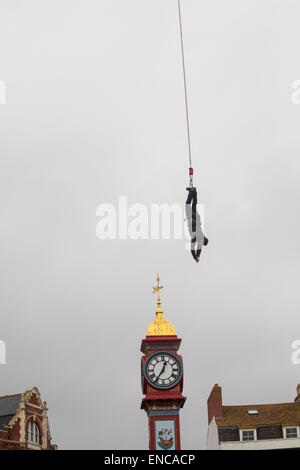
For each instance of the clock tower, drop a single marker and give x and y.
(162, 381)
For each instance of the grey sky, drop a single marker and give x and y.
(95, 110)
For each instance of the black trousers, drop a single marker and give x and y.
(192, 199)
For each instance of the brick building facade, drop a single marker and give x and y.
(24, 422)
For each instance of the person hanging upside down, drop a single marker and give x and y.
(198, 240)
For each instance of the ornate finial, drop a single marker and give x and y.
(160, 326)
(157, 289)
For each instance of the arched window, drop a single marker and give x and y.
(33, 433)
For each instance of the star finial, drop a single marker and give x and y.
(157, 289)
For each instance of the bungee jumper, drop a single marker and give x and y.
(198, 240)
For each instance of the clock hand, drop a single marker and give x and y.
(163, 369)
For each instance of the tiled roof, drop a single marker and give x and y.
(286, 414)
(9, 405)
(5, 420)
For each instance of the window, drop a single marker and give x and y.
(248, 435)
(33, 433)
(228, 433)
(291, 432)
(269, 431)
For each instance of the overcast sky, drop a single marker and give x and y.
(95, 110)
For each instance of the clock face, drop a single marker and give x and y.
(163, 370)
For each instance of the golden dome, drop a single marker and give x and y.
(160, 326)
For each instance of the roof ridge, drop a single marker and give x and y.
(12, 395)
(266, 404)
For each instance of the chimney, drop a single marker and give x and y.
(297, 399)
(214, 403)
